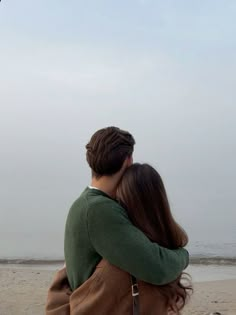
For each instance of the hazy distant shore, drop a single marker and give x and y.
(194, 260)
(32, 261)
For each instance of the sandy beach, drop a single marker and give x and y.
(24, 289)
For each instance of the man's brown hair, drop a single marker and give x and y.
(107, 150)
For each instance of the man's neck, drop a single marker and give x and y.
(107, 184)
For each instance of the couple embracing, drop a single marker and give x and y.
(124, 252)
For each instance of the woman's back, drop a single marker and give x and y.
(108, 291)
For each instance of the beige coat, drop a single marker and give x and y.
(106, 292)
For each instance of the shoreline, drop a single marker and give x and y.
(194, 260)
(198, 272)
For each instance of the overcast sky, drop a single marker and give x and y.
(164, 70)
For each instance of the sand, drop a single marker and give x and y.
(24, 289)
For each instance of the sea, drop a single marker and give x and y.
(208, 261)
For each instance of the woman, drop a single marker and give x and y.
(109, 289)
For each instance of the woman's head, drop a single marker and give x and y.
(142, 192)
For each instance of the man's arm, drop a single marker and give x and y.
(123, 245)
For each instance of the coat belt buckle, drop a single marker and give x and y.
(135, 291)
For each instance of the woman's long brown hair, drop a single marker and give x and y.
(142, 193)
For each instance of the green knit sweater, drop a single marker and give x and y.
(97, 226)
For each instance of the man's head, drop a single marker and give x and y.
(108, 150)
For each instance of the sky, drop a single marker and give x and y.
(164, 70)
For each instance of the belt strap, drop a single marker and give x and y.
(135, 295)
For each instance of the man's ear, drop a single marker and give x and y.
(129, 160)
(127, 163)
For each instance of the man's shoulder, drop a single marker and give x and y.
(101, 201)
(94, 200)
(106, 208)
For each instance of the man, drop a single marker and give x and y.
(98, 227)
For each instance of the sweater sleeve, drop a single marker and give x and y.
(115, 238)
